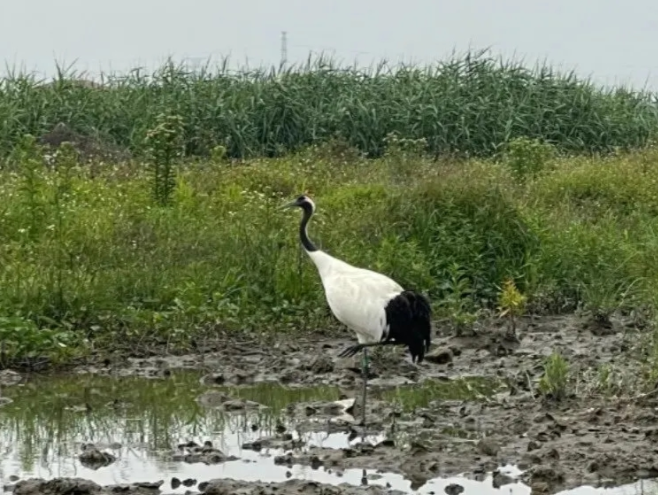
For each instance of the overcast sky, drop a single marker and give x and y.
(610, 40)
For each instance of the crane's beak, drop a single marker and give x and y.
(289, 205)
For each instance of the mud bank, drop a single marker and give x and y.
(214, 487)
(431, 422)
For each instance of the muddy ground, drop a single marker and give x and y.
(603, 433)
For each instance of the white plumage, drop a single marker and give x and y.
(356, 296)
(375, 307)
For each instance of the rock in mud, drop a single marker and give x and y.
(313, 460)
(176, 483)
(93, 458)
(283, 441)
(192, 453)
(501, 479)
(320, 365)
(439, 355)
(231, 487)
(453, 489)
(545, 479)
(487, 446)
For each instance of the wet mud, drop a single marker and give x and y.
(429, 421)
(79, 486)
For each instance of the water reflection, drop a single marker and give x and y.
(141, 421)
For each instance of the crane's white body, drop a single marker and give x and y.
(356, 296)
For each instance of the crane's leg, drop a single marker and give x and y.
(365, 391)
(353, 349)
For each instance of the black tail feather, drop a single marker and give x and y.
(409, 316)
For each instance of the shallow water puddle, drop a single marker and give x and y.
(141, 421)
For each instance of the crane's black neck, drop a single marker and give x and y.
(303, 234)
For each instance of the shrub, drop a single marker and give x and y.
(85, 252)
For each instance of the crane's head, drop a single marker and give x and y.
(303, 202)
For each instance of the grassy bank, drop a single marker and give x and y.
(470, 105)
(86, 253)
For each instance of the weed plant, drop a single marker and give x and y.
(554, 382)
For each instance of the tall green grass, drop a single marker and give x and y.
(470, 105)
(89, 253)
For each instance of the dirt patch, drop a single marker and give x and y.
(78, 486)
(89, 147)
(587, 438)
(231, 487)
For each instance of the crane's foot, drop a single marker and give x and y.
(351, 351)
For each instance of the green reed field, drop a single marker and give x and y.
(468, 105)
(171, 248)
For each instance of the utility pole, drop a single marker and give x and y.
(284, 48)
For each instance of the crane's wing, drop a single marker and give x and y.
(358, 298)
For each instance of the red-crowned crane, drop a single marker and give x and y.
(377, 308)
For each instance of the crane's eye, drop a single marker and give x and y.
(301, 199)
